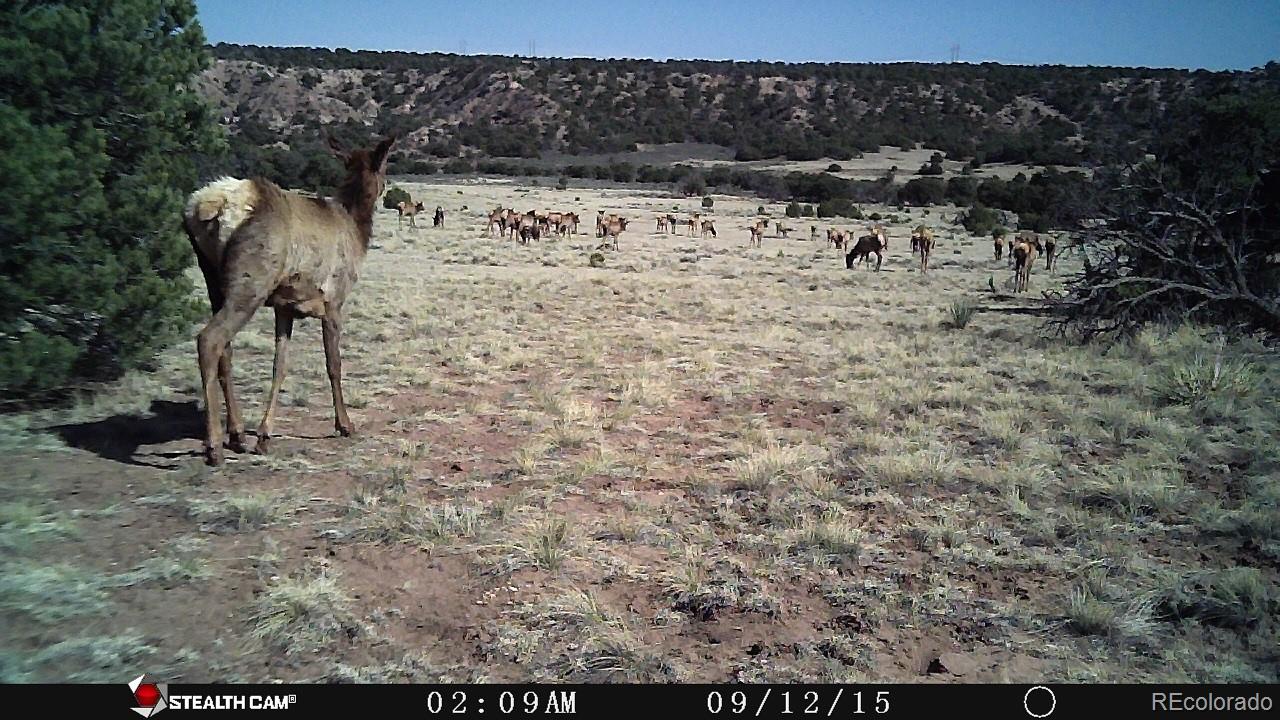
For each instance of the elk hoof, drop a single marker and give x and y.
(212, 455)
(263, 447)
(235, 442)
(345, 430)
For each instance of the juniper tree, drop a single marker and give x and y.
(99, 135)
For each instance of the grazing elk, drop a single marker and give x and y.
(708, 227)
(662, 224)
(405, 207)
(863, 249)
(258, 245)
(782, 230)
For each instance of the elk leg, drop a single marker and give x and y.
(235, 422)
(332, 330)
(284, 332)
(211, 346)
(235, 426)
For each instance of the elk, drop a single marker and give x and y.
(1024, 254)
(257, 245)
(782, 230)
(708, 227)
(1050, 251)
(613, 228)
(405, 207)
(662, 224)
(756, 234)
(866, 245)
(917, 236)
(497, 218)
(924, 241)
(568, 224)
(693, 224)
(836, 238)
(813, 233)
(879, 231)
(602, 222)
(998, 237)
(438, 220)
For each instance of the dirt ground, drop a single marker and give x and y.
(698, 462)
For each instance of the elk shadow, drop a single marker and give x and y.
(119, 437)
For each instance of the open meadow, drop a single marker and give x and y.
(698, 461)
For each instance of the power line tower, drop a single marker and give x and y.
(955, 53)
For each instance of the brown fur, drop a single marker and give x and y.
(863, 249)
(1024, 255)
(411, 209)
(614, 228)
(922, 238)
(297, 254)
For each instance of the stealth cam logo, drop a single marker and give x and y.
(150, 696)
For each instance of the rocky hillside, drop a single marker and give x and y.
(456, 106)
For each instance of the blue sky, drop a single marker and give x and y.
(1213, 34)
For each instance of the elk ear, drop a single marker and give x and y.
(380, 152)
(335, 147)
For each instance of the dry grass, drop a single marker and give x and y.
(697, 462)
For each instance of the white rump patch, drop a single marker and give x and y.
(229, 200)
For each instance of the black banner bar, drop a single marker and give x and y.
(152, 696)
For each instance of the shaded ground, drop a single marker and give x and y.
(699, 462)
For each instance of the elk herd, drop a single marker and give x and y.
(260, 245)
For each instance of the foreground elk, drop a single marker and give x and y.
(260, 245)
(708, 227)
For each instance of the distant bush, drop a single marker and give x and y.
(693, 184)
(808, 211)
(760, 210)
(394, 197)
(793, 209)
(459, 166)
(923, 191)
(834, 168)
(980, 220)
(707, 202)
(875, 216)
(839, 207)
(562, 183)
